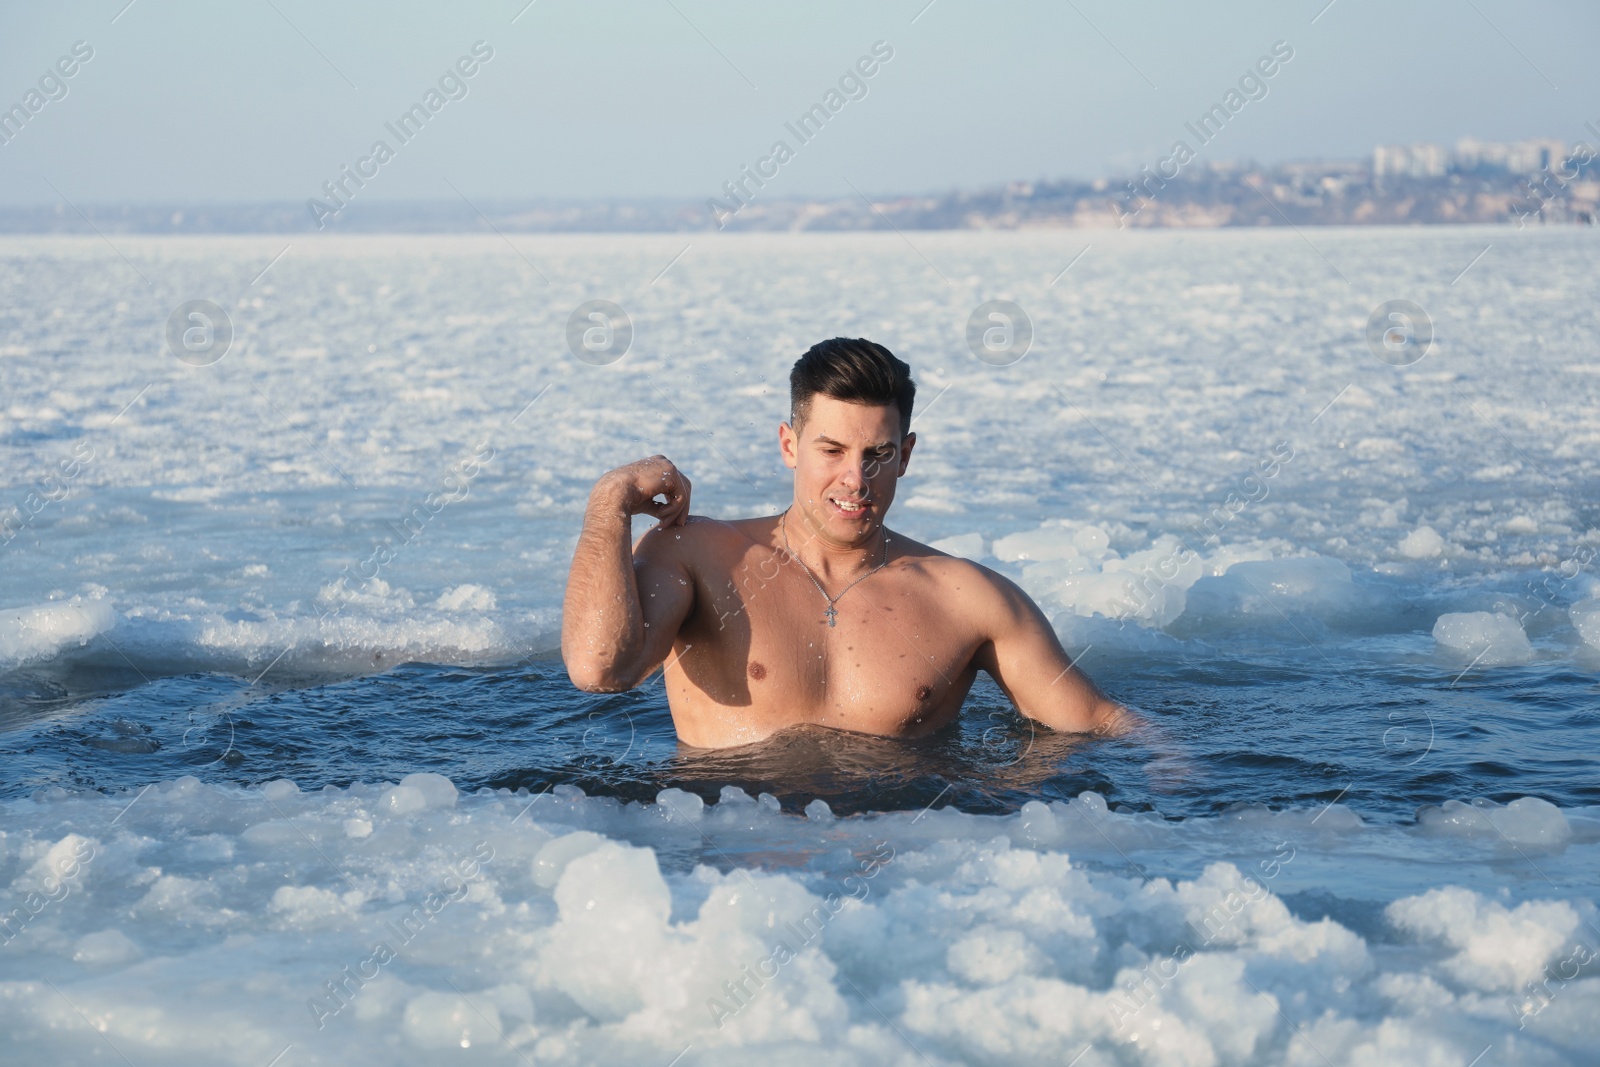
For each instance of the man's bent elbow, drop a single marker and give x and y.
(596, 673)
(592, 679)
(601, 686)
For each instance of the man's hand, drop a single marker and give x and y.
(635, 487)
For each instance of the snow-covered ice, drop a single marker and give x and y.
(195, 924)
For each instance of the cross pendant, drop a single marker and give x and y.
(831, 615)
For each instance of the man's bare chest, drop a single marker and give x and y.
(893, 656)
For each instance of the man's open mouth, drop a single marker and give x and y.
(851, 508)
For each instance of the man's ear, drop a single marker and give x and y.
(907, 443)
(788, 445)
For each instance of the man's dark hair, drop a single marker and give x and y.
(854, 370)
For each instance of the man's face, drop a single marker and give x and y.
(847, 459)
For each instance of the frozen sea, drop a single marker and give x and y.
(246, 820)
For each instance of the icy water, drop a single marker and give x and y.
(1350, 585)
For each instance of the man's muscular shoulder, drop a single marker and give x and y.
(702, 545)
(984, 596)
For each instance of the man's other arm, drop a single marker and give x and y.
(612, 638)
(1026, 660)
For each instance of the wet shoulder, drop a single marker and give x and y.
(702, 543)
(965, 591)
(956, 575)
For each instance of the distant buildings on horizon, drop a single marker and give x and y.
(1428, 160)
(1529, 182)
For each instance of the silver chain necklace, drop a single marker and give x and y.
(831, 614)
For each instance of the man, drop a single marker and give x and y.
(822, 614)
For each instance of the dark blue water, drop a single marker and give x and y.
(1275, 727)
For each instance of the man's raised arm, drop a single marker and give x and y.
(611, 638)
(1026, 659)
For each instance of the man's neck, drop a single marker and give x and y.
(829, 560)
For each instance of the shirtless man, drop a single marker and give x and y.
(821, 615)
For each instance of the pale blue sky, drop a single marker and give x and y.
(187, 101)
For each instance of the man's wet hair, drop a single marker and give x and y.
(855, 370)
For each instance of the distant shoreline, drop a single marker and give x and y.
(1213, 197)
(1086, 234)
